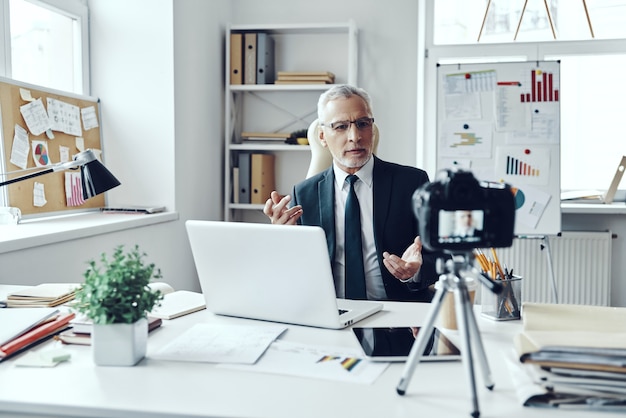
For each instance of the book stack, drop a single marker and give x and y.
(305, 77)
(80, 332)
(573, 356)
(271, 137)
(45, 295)
(23, 329)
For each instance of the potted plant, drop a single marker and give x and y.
(116, 298)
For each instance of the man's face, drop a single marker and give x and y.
(465, 218)
(350, 145)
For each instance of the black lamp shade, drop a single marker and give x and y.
(96, 179)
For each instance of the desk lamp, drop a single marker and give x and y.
(95, 178)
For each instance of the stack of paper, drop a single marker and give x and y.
(43, 295)
(575, 355)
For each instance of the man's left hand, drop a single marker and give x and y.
(409, 265)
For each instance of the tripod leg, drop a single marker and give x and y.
(462, 303)
(420, 343)
(475, 334)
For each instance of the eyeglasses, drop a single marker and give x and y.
(344, 125)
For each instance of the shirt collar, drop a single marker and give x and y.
(365, 173)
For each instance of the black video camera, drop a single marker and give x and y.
(457, 213)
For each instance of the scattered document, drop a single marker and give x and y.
(215, 343)
(331, 363)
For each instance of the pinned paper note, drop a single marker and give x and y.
(41, 157)
(73, 189)
(39, 195)
(90, 117)
(64, 154)
(36, 117)
(20, 148)
(64, 117)
(80, 143)
(25, 95)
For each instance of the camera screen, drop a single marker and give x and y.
(460, 226)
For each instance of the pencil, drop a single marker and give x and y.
(495, 259)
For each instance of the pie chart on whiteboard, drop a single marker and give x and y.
(41, 154)
(518, 197)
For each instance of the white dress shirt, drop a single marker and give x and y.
(363, 188)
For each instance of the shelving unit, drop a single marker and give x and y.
(286, 107)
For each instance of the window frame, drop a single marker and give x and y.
(74, 9)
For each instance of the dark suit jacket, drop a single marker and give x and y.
(395, 225)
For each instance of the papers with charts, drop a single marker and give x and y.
(317, 362)
(215, 343)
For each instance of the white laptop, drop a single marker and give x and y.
(597, 196)
(277, 273)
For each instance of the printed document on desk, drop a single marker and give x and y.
(330, 363)
(216, 343)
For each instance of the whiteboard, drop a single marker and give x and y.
(501, 121)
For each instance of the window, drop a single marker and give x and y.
(47, 43)
(497, 21)
(592, 136)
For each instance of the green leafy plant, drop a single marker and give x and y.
(117, 291)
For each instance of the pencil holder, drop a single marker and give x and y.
(506, 305)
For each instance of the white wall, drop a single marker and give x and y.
(387, 56)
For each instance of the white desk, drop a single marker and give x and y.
(155, 388)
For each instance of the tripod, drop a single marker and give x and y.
(453, 280)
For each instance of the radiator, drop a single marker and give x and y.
(581, 262)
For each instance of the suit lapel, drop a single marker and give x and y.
(382, 197)
(326, 197)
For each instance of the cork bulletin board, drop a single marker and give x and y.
(42, 127)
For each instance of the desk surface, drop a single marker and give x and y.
(161, 389)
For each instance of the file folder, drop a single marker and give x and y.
(244, 177)
(236, 58)
(249, 64)
(265, 59)
(262, 179)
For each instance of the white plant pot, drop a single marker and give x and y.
(119, 344)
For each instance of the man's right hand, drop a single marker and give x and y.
(276, 209)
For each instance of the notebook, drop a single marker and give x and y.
(277, 273)
(597, 196)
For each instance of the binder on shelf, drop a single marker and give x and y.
(236, 58)
(235, 185)
(262, 179)
(265, 59)
(249, 61)
(244, 177)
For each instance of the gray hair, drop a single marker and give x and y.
(342, 91)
